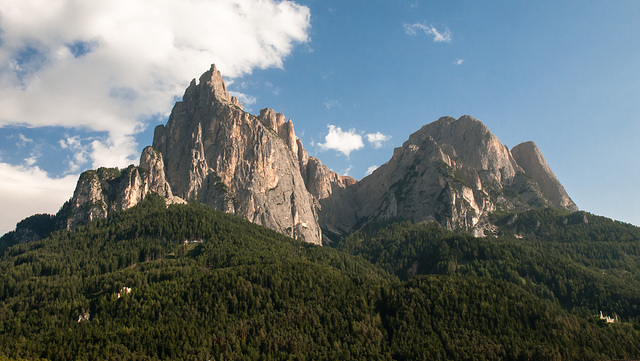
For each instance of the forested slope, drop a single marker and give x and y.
(583, 262)
(186, 282)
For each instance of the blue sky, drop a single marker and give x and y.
(83, 86)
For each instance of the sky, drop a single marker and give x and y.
(83, 83)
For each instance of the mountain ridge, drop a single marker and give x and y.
(453, 171)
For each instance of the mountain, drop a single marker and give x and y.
(213, 152)
(453, 171)
(456, 172)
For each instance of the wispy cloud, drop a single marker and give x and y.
(274, 89)
(430, 30)
(23, 140)
(341, 141)
(458, 61)
(31, 160)
(371, 169)
(376, 139)
(80, 153)
(329, 104)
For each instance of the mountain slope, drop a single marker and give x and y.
(529, 157)
(187, 282)
(585, 263)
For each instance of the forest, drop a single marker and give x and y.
(186, 282)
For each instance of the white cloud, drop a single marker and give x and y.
(113, 152)
(29, 190)
(343, 142)
(376, 139)
(438, 37)
(23, 140)
(80, 157)
(371, 169)
(31, 160)
(329, 104)
(459, 61)
(245, 99)
(109, 66)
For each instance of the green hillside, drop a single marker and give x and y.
(186, 282)
(582, 262)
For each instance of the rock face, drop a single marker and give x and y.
(453, 171)
(532, 162)
(213, 152)
(217, 154)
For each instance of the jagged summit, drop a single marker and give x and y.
(453, 171)
(212, 81)
(212, 151)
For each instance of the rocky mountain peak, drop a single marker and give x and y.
(470, 141)
(453, 171)
(211, 85)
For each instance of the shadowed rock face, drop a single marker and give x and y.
(453, 171)
(532, 162)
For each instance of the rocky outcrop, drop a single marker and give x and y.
(453, 171)
(533, 163)
(99, 193)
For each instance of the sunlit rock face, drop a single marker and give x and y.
(212, 151)
(217, 154)
(452, 171)
(456, 172)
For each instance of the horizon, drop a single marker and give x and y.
(561, 75)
